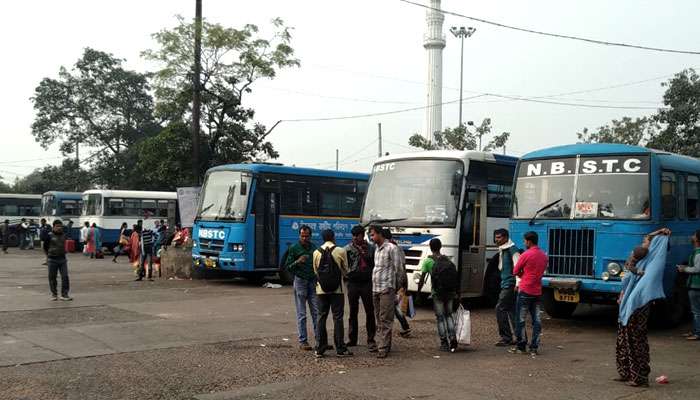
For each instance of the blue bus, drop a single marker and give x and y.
(591, 204)
(65, 206)
(249, 214)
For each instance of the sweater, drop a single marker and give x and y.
(303, 270)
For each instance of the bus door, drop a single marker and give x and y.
(473, 242)
(266, 228)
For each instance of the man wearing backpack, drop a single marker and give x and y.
(444, 281)
(508, 255)
(330, 265)
(359, 285)
(385, 276)
(529, 268)
(299, 263)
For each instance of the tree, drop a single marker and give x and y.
(4, 187)
(461, 139)
(232, 60)
(630, 131)
(99, 104)
(680, 118)
(66, 177)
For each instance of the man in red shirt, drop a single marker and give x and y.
(529, 268)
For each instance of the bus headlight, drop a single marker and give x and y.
(605, 276)
(416, 277)
(614, 269)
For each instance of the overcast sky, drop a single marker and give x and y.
(366, 56)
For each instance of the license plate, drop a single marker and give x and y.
(568, 297)
(209, 263)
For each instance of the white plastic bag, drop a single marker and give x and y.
(463, 326)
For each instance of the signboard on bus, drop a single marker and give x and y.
(585, 166)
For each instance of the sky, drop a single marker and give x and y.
(366, 56)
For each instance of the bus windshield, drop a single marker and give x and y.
(225, 196)
(612, 187)
(414, 193)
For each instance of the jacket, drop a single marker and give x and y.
(693, 270)
(56, 246)
(355, 272)
(302, 270)
(508, 257)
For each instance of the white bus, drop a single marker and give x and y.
(459, 197)
(14, 207)
(110, 208)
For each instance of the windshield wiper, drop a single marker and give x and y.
(383, 221)
(537, 213)
(205, 209)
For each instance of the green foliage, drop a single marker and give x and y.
(461, 138)
(66, 177)
(625, 131)
(680, 119)
(98, 104)
(232, 60)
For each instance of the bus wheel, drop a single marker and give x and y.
(670, 312)
(557, 309)
(286, 278)
(12, 240)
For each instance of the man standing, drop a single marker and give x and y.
(444, 278)
(330, 266)
(56, 245)
(147, 241)
(299, 263)
(530, 268)
(84, 232)
(359, 285)
(44, 234)
(693, 271)
(5, 235)
(23, 233)
(508, 256)
(387, 267)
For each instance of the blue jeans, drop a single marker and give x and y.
(523, 305)
(694, 296)
(305, 292)
(445, 319)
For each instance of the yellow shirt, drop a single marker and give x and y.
(341, 258)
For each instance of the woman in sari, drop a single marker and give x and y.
(135, 248)
(123, 245)
(639, 289)
(94, 241)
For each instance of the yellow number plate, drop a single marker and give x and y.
(569, 297)
(209, 263)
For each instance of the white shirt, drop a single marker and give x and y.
(84, 234)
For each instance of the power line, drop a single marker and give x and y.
(557, 35)
(335, 97)
(561, 103)
(359, 151)
(35, 159)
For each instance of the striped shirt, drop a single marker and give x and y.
(147, 240)
(387, 266)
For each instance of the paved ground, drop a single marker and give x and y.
(174, 339)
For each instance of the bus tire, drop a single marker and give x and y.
(286, 278)
(12, 240)
(557, 309)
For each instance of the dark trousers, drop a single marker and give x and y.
(57, 265)
(505, 310)
(336, 303)
(527, 304)
(357, 291)
(142, 265)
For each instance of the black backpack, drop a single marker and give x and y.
(328, 272)
(444, 277)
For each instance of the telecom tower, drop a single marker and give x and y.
(434, 42)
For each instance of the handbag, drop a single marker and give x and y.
(463, 326)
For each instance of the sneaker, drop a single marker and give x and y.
(305, 346)
(533, 352)
(138, 279)
(66, 298)
(444, 346)
(453, 346)
(515, 350)
(382, 354)
(503, 343)
(318, 354)
(345, 353)
(405, 334)
(150, 279)
(54, 298)
(373, 349)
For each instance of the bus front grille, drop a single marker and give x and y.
(211, 245)
(413, 257)
(571, 252)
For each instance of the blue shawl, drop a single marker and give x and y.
(640, 290)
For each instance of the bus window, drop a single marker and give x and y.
(298, 197)
(132, 208)
(92, 204)
(668, 195)
(499, 195)
(338, 198)
(163, 208)
(693, 196)
(70, 207)
(148, 208)
(10, 209)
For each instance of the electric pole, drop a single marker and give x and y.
(336, 159)
(197, 89)
(461, 33)
(379, 127)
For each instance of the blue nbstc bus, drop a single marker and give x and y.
(591, 204)
(250, 214)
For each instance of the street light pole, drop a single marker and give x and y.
(461, 33)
